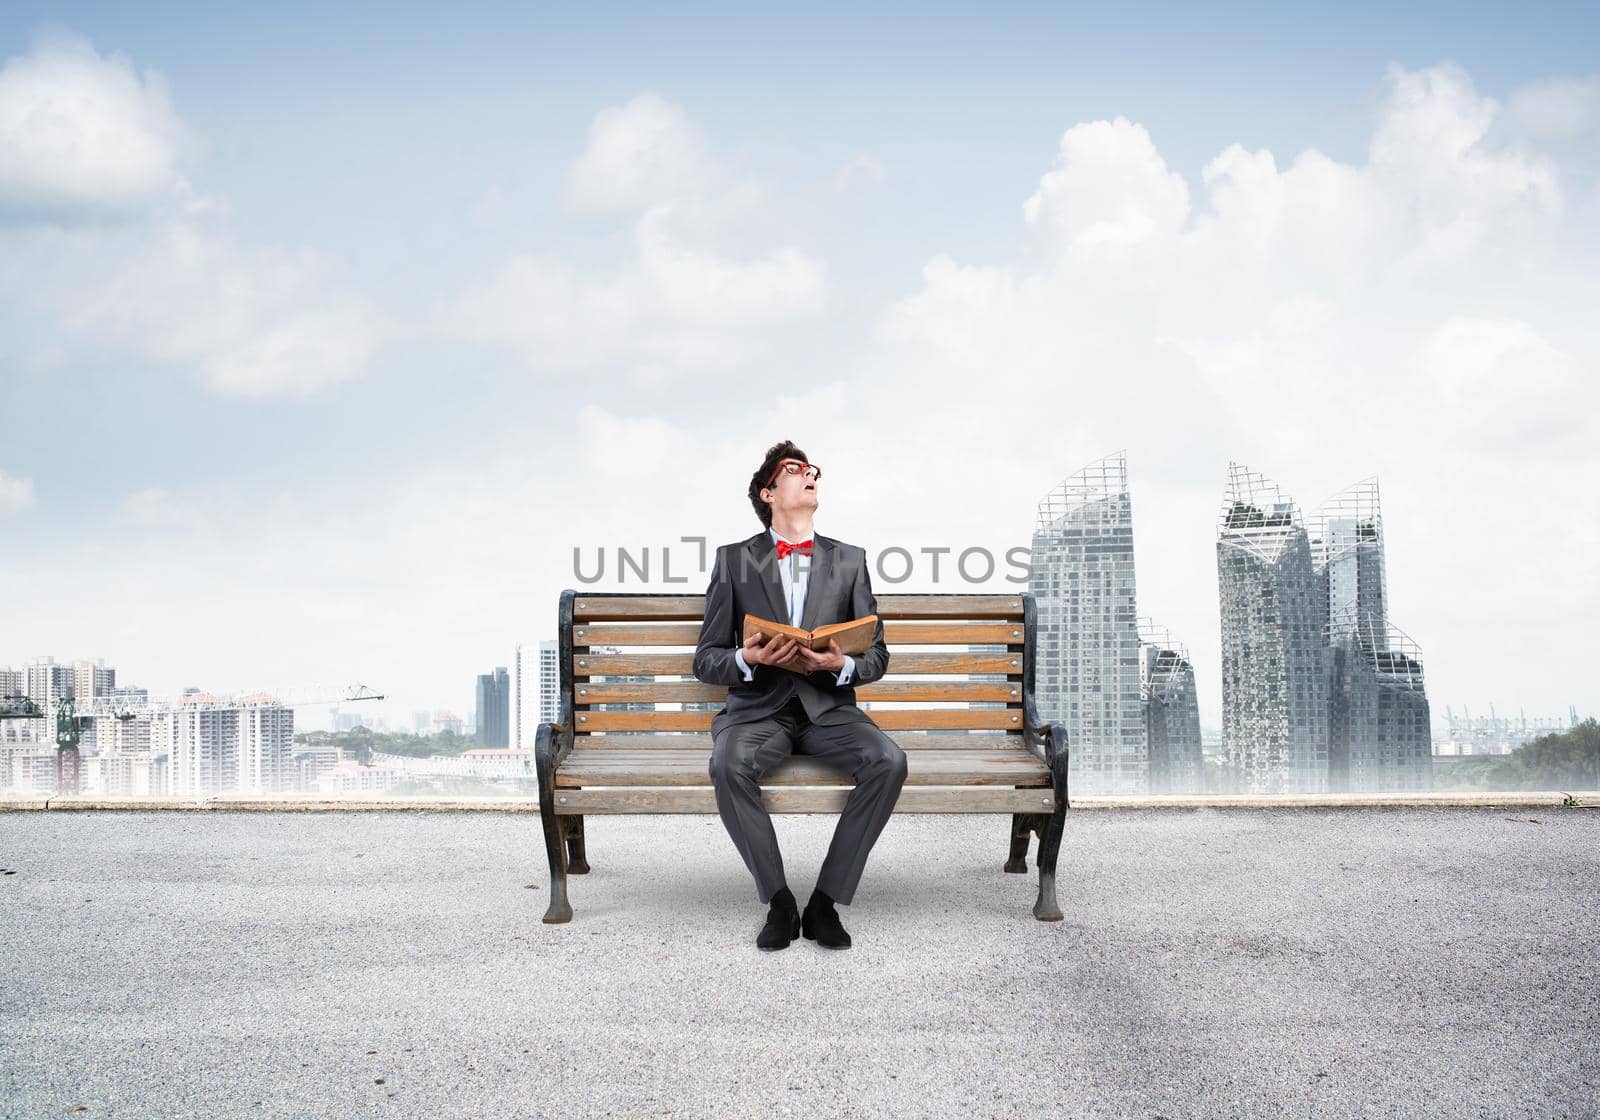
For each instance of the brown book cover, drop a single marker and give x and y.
(853, 637)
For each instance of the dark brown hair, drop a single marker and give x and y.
(759, 481)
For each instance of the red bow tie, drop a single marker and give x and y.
(784, 548)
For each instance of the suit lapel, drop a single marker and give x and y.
(764, 562)
(817, 581)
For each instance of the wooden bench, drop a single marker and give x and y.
(633, 731)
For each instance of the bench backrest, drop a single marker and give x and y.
(958, 663)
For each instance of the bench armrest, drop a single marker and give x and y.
(552, 742)
(1045, 740)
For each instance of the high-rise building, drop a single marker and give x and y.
(1274, 663)
(518, 699)
(121, 735)
(92, 680)
(537, 691)
(204, 744)
(224, 746)
(1380, 737)
(1171, 712)
(549, 681)
(47, 683)
(266, 749)
(1087, 666)
(1379, 734)
(494, 708)
(28, 769)
(1347, 548)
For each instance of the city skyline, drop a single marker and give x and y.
(346, 362)
(1343, 539)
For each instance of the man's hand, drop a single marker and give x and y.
(809, 661)
(764, 649)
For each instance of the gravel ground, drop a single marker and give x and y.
(1271, 963)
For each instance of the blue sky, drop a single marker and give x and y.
(374, 194)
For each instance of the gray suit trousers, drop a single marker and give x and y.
(745, 751)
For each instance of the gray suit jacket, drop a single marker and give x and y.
(745, 579)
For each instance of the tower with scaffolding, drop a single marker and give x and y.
(1379, 728)
(1274, 664)
(1171, 712)
(1087, 672)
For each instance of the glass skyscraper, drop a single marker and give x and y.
(1274, 659)
(1380, 738)
(1171, 712)
(1347, 548)
(1380, 734)
(494, 708)
(1087, 674)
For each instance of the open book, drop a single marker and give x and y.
(853, 637)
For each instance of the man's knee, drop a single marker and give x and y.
(730, 764)
(901, 765)
(889, 759)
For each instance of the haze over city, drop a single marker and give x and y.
(323, 370)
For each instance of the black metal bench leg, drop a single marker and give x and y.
(560, 910)
(1021, 833)
(577, 858)
(555, 848)
(1046, 909)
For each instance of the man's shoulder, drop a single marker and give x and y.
(847, 552)
(744, 542)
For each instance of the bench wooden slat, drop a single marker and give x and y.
(894, 632)
(912, 799)
(881, 691)
(584, 767)
(909, 741)
(622, 608)
(906, 719)
(682, 664)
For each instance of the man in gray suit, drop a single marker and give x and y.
(784, 698)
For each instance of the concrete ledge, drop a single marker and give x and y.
(300, 803)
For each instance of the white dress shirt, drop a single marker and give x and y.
(795, 578)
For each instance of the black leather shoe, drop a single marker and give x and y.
(820, 923)
(783, 923)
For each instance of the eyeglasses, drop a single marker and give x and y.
(796, 466)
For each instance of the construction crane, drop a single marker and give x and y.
(69, 730)
(71, 722)
(19, 707)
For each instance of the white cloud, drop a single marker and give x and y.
(1502, 382)
(1110, 189)
(1319, 319)
(690, 295)
(696, 285)
(639, 154)
(297, 354)
(1418, 314)
(181, 292)
(1447, 184)
(79, 131)
(16, 494)
(168, 283)
(1556, 110)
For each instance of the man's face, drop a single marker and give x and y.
(797, 491)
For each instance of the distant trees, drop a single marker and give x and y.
(362, 742)
(1562, 760)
